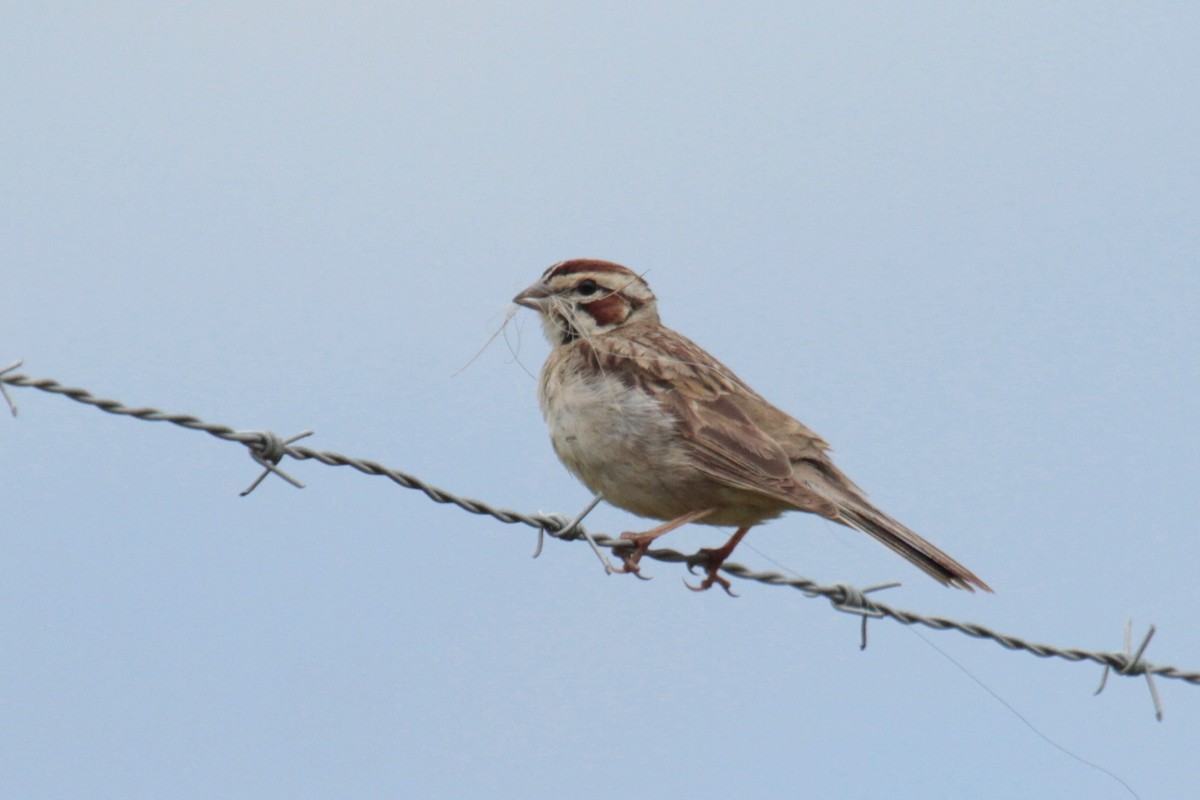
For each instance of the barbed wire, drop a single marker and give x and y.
(267, 449)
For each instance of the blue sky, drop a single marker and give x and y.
(959, 242)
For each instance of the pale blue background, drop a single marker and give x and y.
(960, 242)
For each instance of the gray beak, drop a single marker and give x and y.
(535, 297)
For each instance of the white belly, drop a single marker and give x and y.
(617, 441)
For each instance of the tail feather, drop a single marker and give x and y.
(941, 567)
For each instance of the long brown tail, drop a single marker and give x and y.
(862, 516)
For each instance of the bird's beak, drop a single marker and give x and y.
(536, 297)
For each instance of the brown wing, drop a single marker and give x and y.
(720, 418)
(741, 440)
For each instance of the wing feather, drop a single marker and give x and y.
(718, 416)
(733, 435)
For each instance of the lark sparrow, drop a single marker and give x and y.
(656, 426)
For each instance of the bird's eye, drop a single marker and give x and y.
(588, 287)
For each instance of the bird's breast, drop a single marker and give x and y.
(617, 439)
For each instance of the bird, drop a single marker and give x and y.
(654, 425)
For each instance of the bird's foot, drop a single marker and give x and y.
(716, 557)
(631, 554)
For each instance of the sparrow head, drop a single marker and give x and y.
(583, 298)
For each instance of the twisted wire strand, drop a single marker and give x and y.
(268, 449)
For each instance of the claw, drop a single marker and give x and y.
(630, 555)
(708, 582)
(630, 567)
(714, 558)
(635, 545)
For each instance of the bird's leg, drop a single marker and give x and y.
(641, 541)
(716, 557)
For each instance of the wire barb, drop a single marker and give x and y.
(1135, 666)
(4, 389)
(267, 452)
(567, 532)
(854, 601)
(265, 446)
